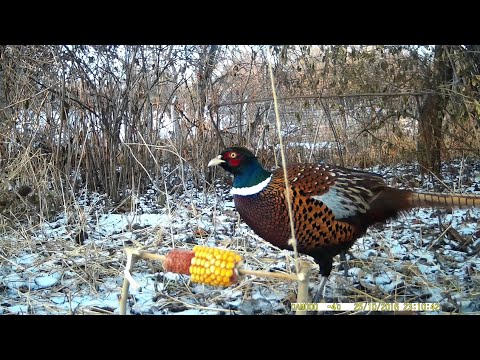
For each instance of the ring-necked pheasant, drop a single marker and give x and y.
(332, 206)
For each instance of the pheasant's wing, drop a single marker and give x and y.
(346, 192)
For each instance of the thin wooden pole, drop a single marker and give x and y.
(292, 277)
(304, 277)
(131, 258)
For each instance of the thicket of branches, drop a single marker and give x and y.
(113, 118)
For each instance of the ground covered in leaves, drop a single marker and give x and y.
(74, 264)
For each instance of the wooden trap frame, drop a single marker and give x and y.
(203, 263)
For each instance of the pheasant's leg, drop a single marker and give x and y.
(321, 287)
(343, 263)
(325, 263)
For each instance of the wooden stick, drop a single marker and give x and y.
(278, 275)
(150, 256)
(131, 280)
(145, 255)
(303, 295)
(131, 257)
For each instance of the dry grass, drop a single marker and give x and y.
(103, 134)
(86, 269)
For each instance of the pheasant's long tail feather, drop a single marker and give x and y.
(390, 202)
(443, 200)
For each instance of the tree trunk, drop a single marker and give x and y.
(432, 113)
(430, 134)
(206, 66)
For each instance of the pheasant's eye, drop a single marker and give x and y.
(233, 155)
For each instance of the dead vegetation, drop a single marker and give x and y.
(117, 120)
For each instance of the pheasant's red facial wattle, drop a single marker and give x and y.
(234, 162)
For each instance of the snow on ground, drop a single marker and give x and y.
(46, 269)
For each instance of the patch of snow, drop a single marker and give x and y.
(48, 280)
(61, 276)
(18, 309)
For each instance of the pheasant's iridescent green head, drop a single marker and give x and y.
(235, 160)
(244, 166)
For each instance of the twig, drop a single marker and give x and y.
(127, 280)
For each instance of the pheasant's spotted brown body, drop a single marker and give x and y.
(332, 206)
(315, 223)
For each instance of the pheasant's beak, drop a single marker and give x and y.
(216, 161)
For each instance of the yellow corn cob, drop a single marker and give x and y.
(213, 266)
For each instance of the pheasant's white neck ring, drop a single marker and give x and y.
(255, 189)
